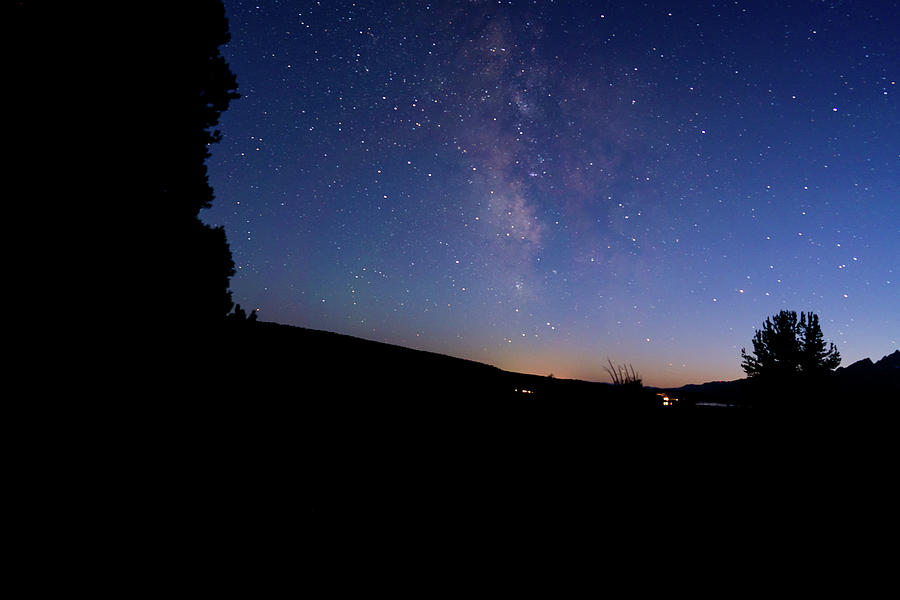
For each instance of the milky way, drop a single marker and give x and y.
(545, 186)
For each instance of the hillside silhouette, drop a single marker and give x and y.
(328, 367)
(318, 369)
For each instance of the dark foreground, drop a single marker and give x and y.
(267, 449)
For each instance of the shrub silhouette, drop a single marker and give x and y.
(786, 347)
(623, 375)
(240, 315)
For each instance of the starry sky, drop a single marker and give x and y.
(544, 186)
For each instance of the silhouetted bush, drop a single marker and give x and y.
(623, 375)
(240, 315)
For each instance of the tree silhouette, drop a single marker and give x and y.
(189, 85)
(815, 358)
(786, 347)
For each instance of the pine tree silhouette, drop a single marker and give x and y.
(786, 347)
(815, 358)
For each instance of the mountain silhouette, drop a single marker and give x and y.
(865, 367)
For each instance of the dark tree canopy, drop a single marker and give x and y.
(188, 86)
(195, 87)
(815, 357)
(786, 347)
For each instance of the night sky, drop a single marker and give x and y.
(543, 186)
